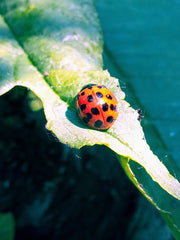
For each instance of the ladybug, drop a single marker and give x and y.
(97, 106)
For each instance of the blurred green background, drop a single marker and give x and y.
(56, 192)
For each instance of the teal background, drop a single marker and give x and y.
(142, 49)
(55, 192)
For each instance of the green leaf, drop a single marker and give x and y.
(6, 226)
(55, 48)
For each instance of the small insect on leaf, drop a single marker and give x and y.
(96, 106)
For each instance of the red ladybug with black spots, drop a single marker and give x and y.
(97, 106)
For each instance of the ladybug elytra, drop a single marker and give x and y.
(97, 106)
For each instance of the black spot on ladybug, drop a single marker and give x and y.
(90, 98)
(105, 107)
(99, 86)
(95, 111)
(85, 119)
(109, 96)
(110, 119)
(112, 107)
(82, 93)
(88, 115)
(78, 96)
(83, 107)
(99, 94)
(98, 124)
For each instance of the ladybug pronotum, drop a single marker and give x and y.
(97, 106)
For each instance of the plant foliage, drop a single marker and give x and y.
(54, 48)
